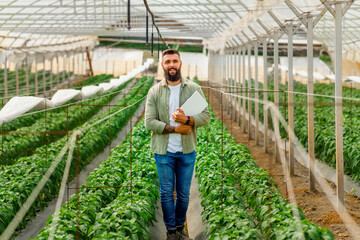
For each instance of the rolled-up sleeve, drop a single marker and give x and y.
(202, 118)
(151, 121)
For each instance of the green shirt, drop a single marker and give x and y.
(157, 115)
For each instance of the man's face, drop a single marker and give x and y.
(172, 67)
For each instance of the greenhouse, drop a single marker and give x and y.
(203, 119)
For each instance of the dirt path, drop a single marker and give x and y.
(315, 205)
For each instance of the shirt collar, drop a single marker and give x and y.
(183, 82)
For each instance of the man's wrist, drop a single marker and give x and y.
(187, 122)
(169, 129)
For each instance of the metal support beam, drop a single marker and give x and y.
(243, 93)
(239, 90)
(36, 77)
(249, 91)
(44, 77)
(291, 100)
(310, 101)
(265, 97)
(257, 135)
(27, 76)
(276, 37)
(5, 80)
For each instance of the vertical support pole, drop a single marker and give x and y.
(338, 107)
(256, 53)
(89, 61)
(44, 77)
(249, 92)
(17, 78)
(291, 100)
(239, 89)
(57, 72)
(51, 76)
(243, 92)
(5, 80)
(236, 65)
(78, 65)
(73, 65)
(36, 76)
(230, 81)
(27, 76)
(265, 96)
(310, 99)
(68, 61)
(276, 93)
(63, 72)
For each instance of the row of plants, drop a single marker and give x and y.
(94, 80)
(11, 81)
(18, 180)
(30, 119)
(25, 139)
(233, 187)
(113, 212)
(324, 122)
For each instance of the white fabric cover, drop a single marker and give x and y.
(318, 76)
(91, 90)
(106, 86)
(118, 81)
(20, 105)
(352, 79)
(64, 95)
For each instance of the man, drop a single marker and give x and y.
(173, 140)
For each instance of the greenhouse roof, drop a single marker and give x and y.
(220, 23)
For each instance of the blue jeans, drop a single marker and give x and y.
(175, 169)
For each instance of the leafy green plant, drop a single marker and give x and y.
(105, 213)
(223, 164)
(18, 180)
(18, 144)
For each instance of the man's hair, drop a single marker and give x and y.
(170, 52)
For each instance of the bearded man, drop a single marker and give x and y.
(173, 140)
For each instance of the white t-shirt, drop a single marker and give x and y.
(175, 144)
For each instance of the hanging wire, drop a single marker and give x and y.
(128, 15)
(154, 24)
(147, 28)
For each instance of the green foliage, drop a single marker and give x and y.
(114, 213)
(18, 180)
(28, 120)
(324, 122)
(272, 217)
(11, 81)
(24, 140)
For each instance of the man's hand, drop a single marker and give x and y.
(183, 129)
(179, 116)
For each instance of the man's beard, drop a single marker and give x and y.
(175, 77)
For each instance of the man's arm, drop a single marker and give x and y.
(151, 121)
(182, 129)
(157, 126)
(198, 120)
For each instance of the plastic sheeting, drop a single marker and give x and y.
(64, 95)
(91, 90)
(17, 106)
